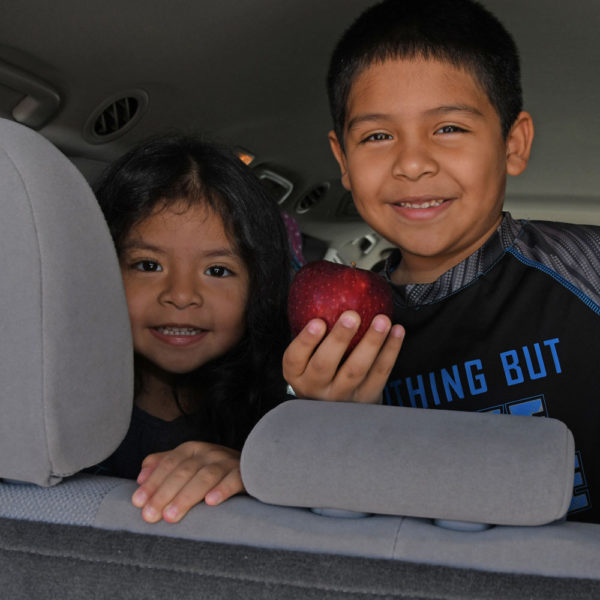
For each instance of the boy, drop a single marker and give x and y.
(500, 315)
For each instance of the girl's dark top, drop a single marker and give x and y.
(146, 435)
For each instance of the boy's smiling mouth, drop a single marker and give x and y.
(421, 208)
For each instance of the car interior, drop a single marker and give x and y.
(343, 500)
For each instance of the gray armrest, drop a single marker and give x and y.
(475, 467)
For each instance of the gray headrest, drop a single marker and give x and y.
(450, 465)
(66, 374)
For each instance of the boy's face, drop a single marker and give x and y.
(426, 162)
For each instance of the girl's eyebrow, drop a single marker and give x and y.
(141, 245)
(219, 252)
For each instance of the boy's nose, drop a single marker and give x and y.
(181, 291)
(413, 160)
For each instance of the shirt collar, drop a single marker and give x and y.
(462, 274)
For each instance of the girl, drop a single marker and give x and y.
(204, 259)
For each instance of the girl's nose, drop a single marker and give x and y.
(413, 160)
(182, 290)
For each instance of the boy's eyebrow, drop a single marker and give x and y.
(366, 117)
(447, 108)
(456, 108)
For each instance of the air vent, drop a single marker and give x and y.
(312, 198)
(115, 116)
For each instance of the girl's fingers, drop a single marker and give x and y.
(184, 489)
(153, 497)
(148, 465)
(183, 476)
(229, 486)
(156, 468)
(228, 483)
(214, 482)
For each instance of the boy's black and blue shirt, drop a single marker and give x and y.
(514, 328)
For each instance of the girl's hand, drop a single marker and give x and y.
(311, 363)
(174, 481)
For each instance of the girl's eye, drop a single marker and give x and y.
(146, 266)
(378, 137)
(450, 129)
(218, 271)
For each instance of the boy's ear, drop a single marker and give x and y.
(338, 152)
(518, 144)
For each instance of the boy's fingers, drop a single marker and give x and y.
(325, 361)
(371, 388)
(301, 348)
(357, 367)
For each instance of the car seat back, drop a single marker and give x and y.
(66, 374)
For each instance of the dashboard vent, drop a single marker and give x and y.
(115, 116)
(312, 198)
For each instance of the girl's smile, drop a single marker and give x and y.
(186, 287)
(179, 335)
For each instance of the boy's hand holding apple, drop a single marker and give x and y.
(345, 344)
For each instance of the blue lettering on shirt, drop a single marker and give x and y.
(534, 361)
(530, 363)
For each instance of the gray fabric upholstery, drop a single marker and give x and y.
(562, 549)
(475, 467)
(66, 355)
(41, 560)
(75, 501)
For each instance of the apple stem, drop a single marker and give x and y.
(353, 264)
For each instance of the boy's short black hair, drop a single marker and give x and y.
(461, 32)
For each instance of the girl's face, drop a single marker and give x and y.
(186, 287)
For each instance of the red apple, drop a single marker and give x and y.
(325, 290)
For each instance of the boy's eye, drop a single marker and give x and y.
(146, 266)
(218, 271)
(450, 129)
(377, 137)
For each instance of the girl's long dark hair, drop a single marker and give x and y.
(236, 389)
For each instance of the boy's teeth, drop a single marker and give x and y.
(429, 204)
(178, 330)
